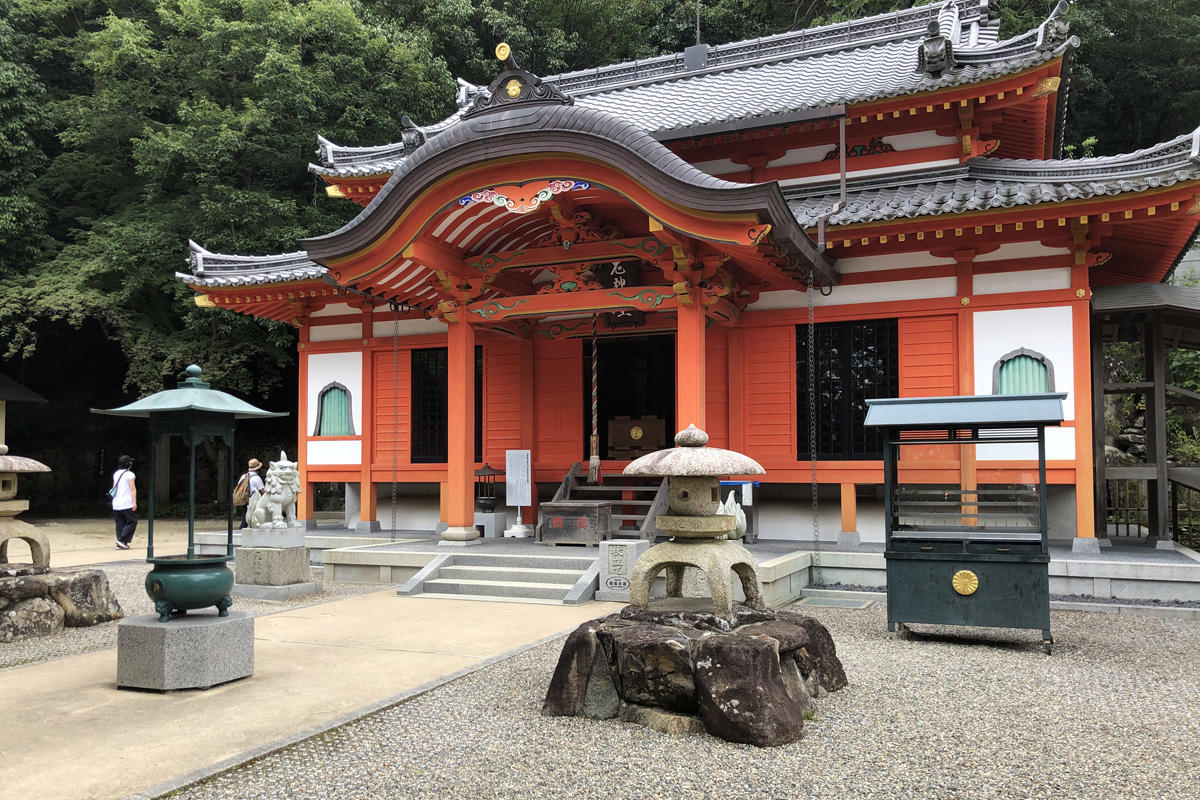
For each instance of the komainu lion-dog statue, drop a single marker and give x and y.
(275, 505)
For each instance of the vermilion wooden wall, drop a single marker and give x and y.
(558, 403)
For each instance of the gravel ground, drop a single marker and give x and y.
(128, 582)
(948, 713)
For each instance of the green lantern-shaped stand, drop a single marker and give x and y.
(178, 584)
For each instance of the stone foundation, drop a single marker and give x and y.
(195, 651)
(271, 566)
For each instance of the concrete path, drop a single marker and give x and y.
(68, 732)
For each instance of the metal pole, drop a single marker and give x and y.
(191, 548)
(229, 484)
(150, 503)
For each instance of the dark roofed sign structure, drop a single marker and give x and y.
(882, 199)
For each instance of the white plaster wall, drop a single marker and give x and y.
(332, 333)
(1047, 331)
(334, 310)
(342, 451)
(889, 292)
(865, 173)
(1031, 280)
(1016, 250)
(408, 327)
(919, 140)
(327, 368)
(898, 261)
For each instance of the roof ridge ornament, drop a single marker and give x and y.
(936, 53)
(1056, 29)
(515, 85)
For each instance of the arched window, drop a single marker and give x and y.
(1023, 372)
(333, 412)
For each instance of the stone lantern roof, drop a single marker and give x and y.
(690, 458)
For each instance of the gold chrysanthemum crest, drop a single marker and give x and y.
(965, 582)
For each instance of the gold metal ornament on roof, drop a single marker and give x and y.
(513, 88)
(635, 433)
(503, 51)
(965, 582)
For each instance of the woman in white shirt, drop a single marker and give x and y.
(124, 502)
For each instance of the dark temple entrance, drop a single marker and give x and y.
(637, 380)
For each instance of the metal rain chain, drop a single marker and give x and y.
(594, 461)
(812, 431)
(395, 407)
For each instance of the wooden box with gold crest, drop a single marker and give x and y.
(631, 437)
(968, 553)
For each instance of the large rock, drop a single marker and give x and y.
(741, 691)
(651, 664)
(86, 598)
(25, 587)
(582, 685)
(39, 616)
(748, 678)
(818, 659)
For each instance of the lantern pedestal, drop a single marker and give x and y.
(195, 651)
(492, 522)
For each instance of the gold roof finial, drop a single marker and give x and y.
(503, 51)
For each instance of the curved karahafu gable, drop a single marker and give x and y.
(547, 130)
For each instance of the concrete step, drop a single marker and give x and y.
(563, 577)
(479, 598)
(575, 563)
(499, 589)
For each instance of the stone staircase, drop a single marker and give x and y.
(553, 579)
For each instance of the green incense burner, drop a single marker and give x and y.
(178, 585)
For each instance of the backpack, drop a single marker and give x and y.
(241, 493)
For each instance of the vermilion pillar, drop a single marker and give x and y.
(689, 363)
(460, 460)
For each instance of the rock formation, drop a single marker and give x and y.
(749, 679)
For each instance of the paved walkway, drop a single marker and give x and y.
(70, 733)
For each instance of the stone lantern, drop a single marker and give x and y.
(696, 529)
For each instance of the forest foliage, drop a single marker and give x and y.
(128, 127)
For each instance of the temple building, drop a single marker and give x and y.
(753, 238)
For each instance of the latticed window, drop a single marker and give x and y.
(854, 361)
(333, 412)
(430, 396)
(1023, 372)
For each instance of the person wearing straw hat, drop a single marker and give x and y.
(248, 485)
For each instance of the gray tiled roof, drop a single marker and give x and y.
(217, 270)
(758, 80)
(1001, 183)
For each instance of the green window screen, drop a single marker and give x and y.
(1023, 375)
(335, 413)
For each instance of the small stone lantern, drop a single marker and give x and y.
(696, 529)
(485, 488)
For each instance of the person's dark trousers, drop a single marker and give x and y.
(127, 520)
(240, 511)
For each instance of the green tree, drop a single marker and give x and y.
(180, 119)
(21, 120)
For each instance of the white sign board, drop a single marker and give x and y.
(517, 478)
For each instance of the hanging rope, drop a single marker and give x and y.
(812, 434)
(395, 407)
(594, 461)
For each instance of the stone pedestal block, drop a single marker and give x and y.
(189, 652)
(272, 566)
(616, 566)
(273, 537)
(493, 523)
